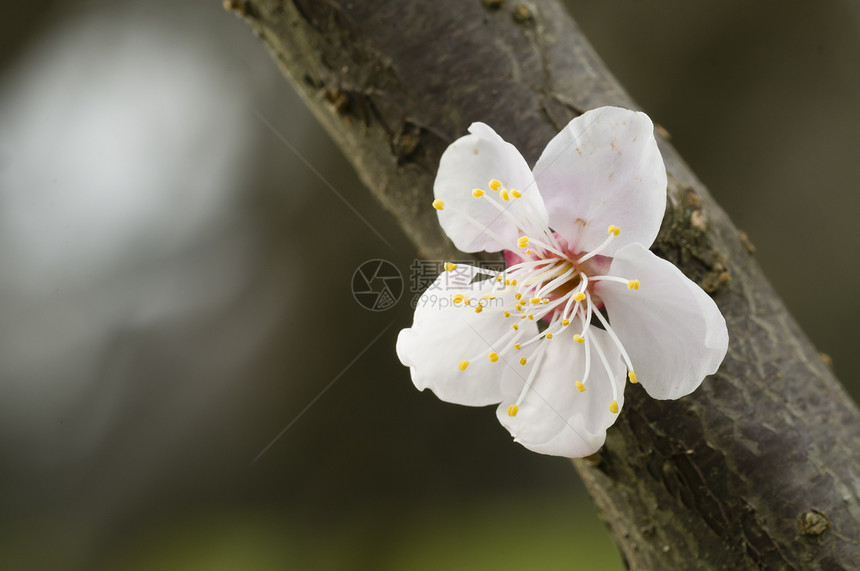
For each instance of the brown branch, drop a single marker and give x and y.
(759, 467)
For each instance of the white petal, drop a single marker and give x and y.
(672, 330)
(472, 162)
(604, 169)
(442, 335)
(554, 418)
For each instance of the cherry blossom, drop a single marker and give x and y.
(583, 305)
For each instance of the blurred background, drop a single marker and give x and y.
(159, 245)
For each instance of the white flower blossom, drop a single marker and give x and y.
(583, 305)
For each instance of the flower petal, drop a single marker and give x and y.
(472, 162)
(672, 330)
(604, 169)
(444, 334)
(555, 418)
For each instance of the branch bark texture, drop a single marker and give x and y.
(759, 467)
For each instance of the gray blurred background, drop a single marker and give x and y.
(175, 289)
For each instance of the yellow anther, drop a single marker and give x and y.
(479, 309)
(549, 335)
(516, 193)
(518, 307)
(513, 410)
(633, 284)
(507, 282)
(438, 204)
(579, 296)
(450, 267)
(507, 314)
(614, 230)
(523, 361)
(504, 195)
(517, 346)
(535, 300)
(513, 282)
(579, 338)
(499, 278)
(531, 316)
(632, 376)
(477, 193)
(545, 300)
(515, 327)
(458, 298)
(495, 185)
(580, 386)
(523, 242)
(463, 364)
(518, 295)
(528, 252)
(613, 407)
(565, 322)
(493, 357)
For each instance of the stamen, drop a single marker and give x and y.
(513, 410)
(523, 361)
(536, 221)
(495, 184)
(580, 387)
(552, 285)
(458, 298)
(579, 338)
(549, 335)
(463, 364)
(616, 340)
(613, 232)
(523, 242)
(587, 362)
(528, 384)
(478, 193)
(515, 327)
(548, 248)
(608, 370)
(516, 193)
(493, 356)
(479, 308)
(504, 195)
(633, 284)
(565, 322)
(438, 204)
(504, 210)
(579, 296)
(517, 346)
(613, 407)
(632, 376)
(450, 267)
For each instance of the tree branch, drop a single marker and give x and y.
(758, 468)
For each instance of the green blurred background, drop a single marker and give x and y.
(175, 290)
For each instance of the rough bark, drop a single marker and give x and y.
(759, 467)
